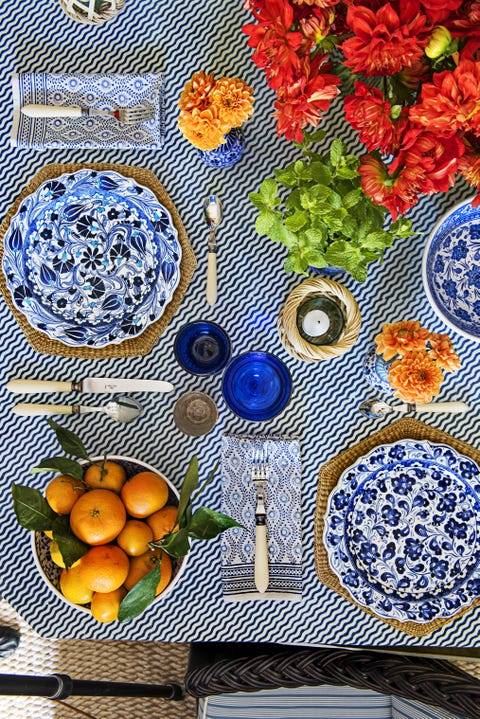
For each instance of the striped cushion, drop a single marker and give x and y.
(405, 709)
(323, 702)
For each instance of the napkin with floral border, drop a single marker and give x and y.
(284, 517)
(100, 91)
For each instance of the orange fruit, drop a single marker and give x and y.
(105, 475)
(134, 537)
(144, 493)
(163, 521)
(104, 568)
(140, 566)
(73, 587)
(62, 492)
(105, 605)
(98, 516)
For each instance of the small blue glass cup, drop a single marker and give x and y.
(202, 348)
(256, 386)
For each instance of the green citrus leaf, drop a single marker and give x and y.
(189, 485)
(207, 523)
(64, 465)
(71, 548)
(176, 544)
(69, 442)
(140, 596)
(32, 509)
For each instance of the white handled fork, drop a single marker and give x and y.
(260, 474)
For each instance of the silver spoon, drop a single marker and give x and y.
(377, 408)
(212, 210)
(123, 409)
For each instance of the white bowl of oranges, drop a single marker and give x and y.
(120, 506)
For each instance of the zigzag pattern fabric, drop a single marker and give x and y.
(177, 39)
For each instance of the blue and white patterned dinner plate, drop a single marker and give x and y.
(451, 269)
(402, 531)
(91, 258)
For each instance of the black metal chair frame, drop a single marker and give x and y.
(220, 668)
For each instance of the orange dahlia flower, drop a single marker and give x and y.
(196, 92)
(203, 128)
(443, 353)
(416, 377)
(398, 338)
(234, 101)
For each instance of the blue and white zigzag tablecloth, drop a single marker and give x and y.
(178, 39)
(284, 518)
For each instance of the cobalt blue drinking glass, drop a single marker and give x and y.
(257, 386)
(202, 347)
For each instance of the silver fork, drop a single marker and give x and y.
(260, 475)
(125, 115)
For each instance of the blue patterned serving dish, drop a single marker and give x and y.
(91, 258)
(451, 269)
(402, 531)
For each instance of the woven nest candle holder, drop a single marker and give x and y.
(287, 325)
(91, 12)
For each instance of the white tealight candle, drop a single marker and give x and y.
(316, 323)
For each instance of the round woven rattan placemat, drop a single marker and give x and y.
(406, 428)
(143, 343)
(108, 660)
(287, 320)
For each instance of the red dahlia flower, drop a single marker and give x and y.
(316, 25)
(467, 21)
(302, 102)
(371, 115)
(439, 10)
(469, 168)
(385, 41)
(398, 191)
(435, 158)
(275, 45)
(451, 102)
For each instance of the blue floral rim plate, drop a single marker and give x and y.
(402, 531)
(451, 269)
(91, 258)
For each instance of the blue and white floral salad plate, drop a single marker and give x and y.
(91, 258)
(402, 531)
(451, 269)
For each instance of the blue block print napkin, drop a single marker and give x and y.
(103, 92)
(284, 518)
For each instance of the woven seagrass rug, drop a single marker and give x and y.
(137, 662)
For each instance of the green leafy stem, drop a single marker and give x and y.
(317, 208)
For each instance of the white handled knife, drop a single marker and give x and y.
(90, 385)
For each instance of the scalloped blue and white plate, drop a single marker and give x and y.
(91, 258)
(451, 269)
(402, 531)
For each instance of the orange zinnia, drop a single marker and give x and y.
(196, 92)
(234, 101)
(443, 352)
(401, 337)
(203, 128)
(416, 377)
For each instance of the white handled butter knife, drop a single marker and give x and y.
(90, 385)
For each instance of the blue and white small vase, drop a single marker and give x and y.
(228, 153)
(375, 371)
